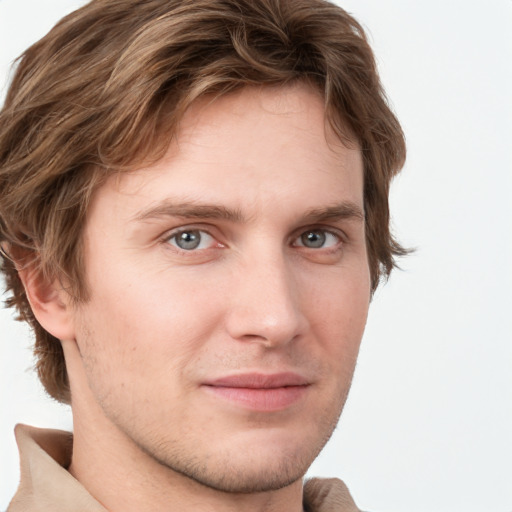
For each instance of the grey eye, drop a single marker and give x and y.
(313, 239)
(188, 240)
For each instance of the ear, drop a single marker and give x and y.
(50, 303)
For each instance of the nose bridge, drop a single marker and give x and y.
(265, 302)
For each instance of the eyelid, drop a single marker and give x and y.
(201, 226)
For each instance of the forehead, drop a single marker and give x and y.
(295, 112)
(250, 148)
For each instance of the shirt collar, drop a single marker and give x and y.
(45, 484)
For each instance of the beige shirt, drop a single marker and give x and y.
(46, 486)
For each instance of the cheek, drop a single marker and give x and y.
(338, 309)
(134, 322)
(340, 295)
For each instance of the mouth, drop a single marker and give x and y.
(260, 392)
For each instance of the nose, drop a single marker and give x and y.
(265, 305)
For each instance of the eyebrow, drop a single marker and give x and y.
(345, 210)
(193, 210)
(190, 210)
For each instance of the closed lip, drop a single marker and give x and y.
(260, 392)
(259, 381)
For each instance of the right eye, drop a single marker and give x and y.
(191, 240)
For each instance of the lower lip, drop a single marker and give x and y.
(260, 399)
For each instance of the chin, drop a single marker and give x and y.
(254, 462)
(248, 475)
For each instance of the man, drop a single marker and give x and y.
(194, 216)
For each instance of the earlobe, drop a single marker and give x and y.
(50, 303)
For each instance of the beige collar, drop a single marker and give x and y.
(46, 485)
(328, 495)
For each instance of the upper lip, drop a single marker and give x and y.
(259, 381)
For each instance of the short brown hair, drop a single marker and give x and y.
(105, 89)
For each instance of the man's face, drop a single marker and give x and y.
(229, 291)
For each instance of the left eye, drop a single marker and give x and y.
(191, 239)
(317, 239)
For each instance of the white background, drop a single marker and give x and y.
(428, 425)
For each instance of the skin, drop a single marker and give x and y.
(273, 287)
